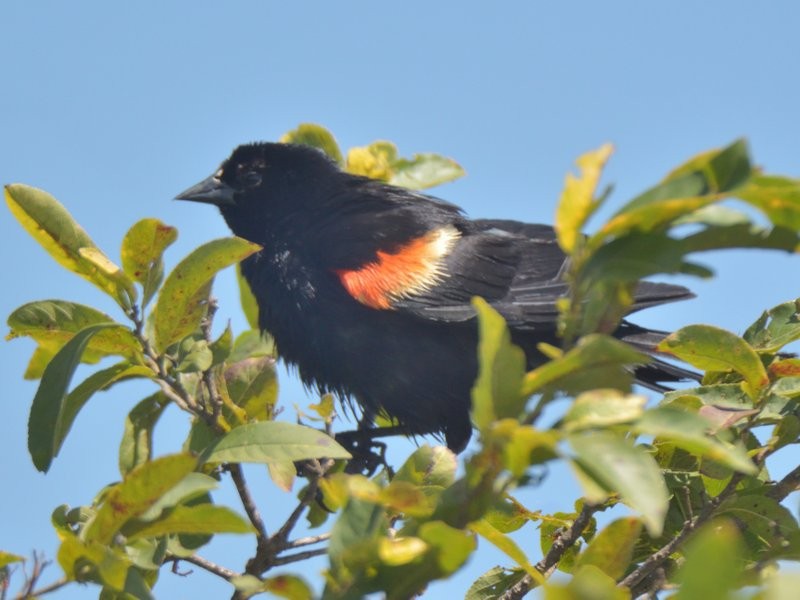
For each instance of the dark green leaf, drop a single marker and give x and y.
(45, 429)
(273, 441)
(136, 447)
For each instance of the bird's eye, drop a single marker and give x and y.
(251, 178)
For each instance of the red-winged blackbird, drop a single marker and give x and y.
(366, 287)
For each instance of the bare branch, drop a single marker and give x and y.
(790, 483)
(204, 564)
(557, 550)
(307, 541)
(285, 560)
(248, 503)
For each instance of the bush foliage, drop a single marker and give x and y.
(707, 516)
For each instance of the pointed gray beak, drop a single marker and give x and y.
(209, 191)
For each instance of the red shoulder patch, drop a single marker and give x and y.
(413, 268)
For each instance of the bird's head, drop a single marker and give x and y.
(261, 185)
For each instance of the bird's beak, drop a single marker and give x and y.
(211, 190)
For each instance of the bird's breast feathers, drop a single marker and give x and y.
(413, 268)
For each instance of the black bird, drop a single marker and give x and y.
(366, 287)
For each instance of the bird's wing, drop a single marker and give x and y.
(517, 267)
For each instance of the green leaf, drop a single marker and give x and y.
(374, 161)
(78, 397)
(714, 579)
(316, 136)
(194, 355)
(136, 447)
(424, 171)
(192, 490)
(577, 202)
(247, 299)
(283, 586)
(6, 558)
(453, 546)
(763, 523)
(204, 519)
(501, 368)
(181, 302)
(611, 549)
(141, 253)
(273, 441)
(778, 197)
(45, 427)
(429, 467)
(619, 466)
(52, 323)
(282, 473)
(775, 328)
(690, 432)
(140, 489)
(601, 408)
(92, 561)
(587, 583)
(253, 386)
(714, 349)
(49, 223)
(527, 446)
(494, 583)
(596, 361)
(507, 546)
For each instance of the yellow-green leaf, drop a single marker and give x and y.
(316, 136)
(50, 224)
(181, 302)
(141, 253)
(577, 202)
(714, 349)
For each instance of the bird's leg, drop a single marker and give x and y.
(368, 454)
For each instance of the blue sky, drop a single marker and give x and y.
(114, 108)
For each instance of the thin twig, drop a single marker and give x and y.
(248, 503)
(790, 483)
(285, 560)
(206, 565)
(655, 560)
(563, 543)
(307, 541)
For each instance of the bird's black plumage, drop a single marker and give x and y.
(366, 287)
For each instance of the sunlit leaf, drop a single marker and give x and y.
(775, 328)
(141, 253)
(577, 202)
(424, 171)
(181, 301)
(52, 323)
(619, 466)
(253, 386)
(494, 583)
(374, 161)
(601, 408)
(273, 441)
(429, 467)
(316, 136)
(50, 224)
(247, 299)
(711, 579)
(6, 558)
(714, 349)
(507, 546)
(496, 393)
(778, 197)
(611, 549)
(204, 518)
(141, 489)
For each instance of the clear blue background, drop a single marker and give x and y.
(114, 108)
